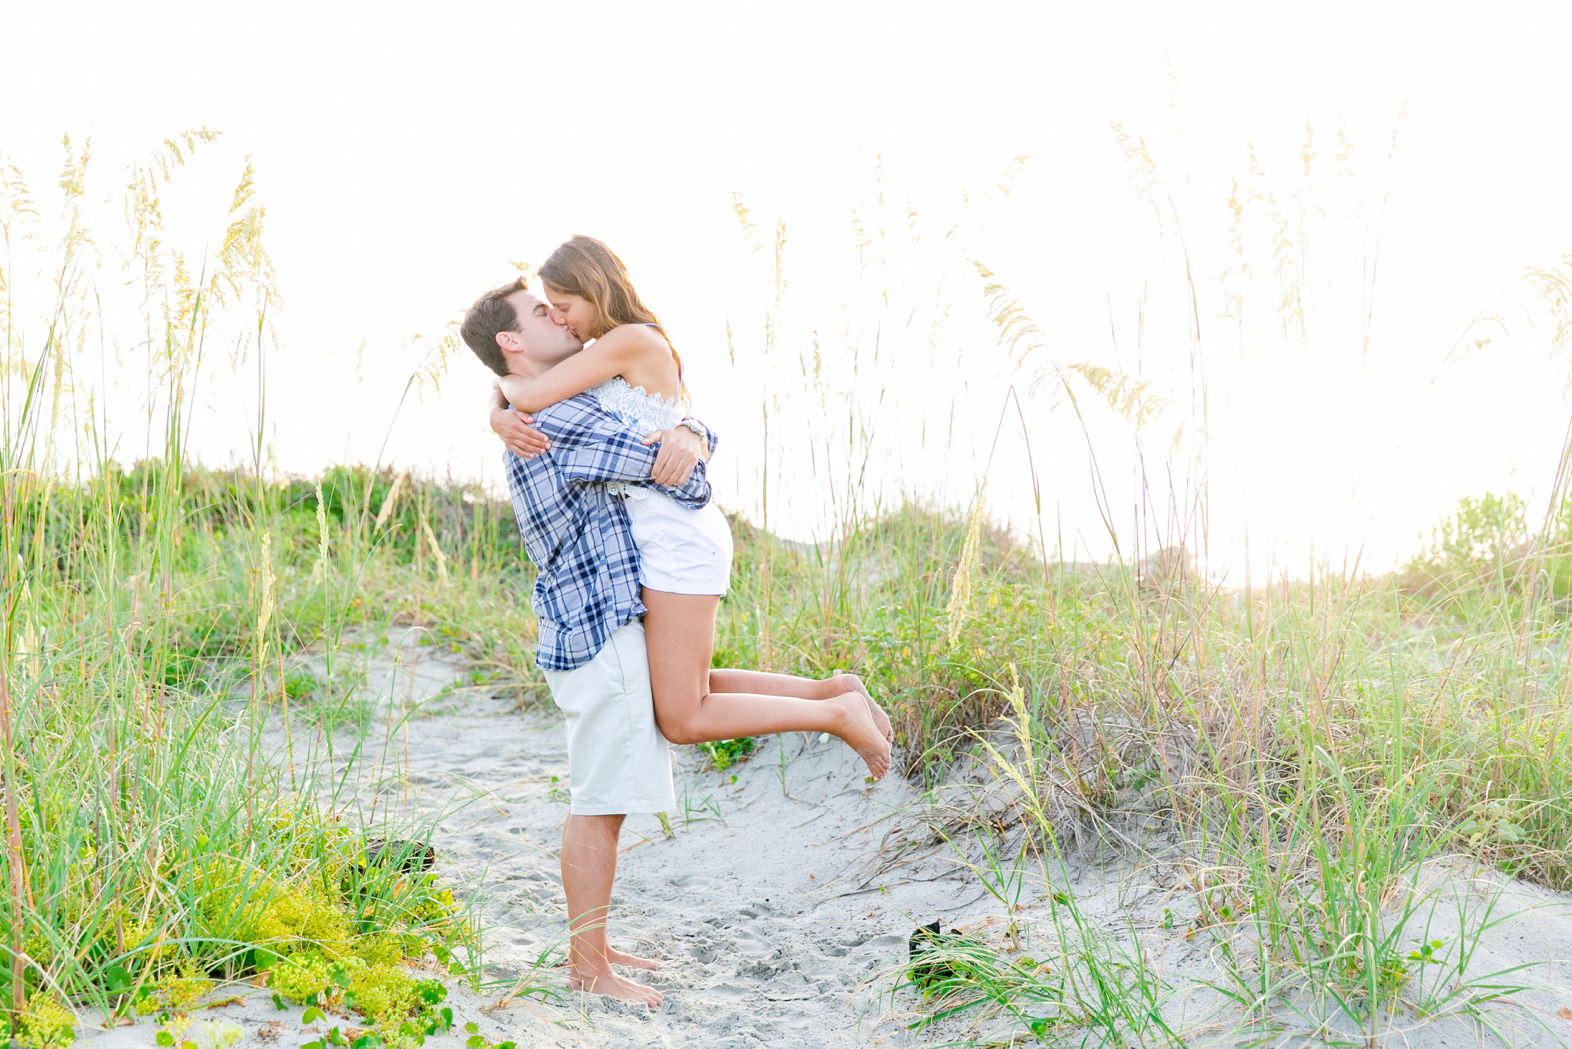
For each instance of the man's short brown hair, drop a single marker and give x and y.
(492, 314)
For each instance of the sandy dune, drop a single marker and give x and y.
(779, 904)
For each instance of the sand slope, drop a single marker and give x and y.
(783, 902)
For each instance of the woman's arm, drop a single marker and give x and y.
(612, 354)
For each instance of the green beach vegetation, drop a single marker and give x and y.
(1299, 747)
(155, 842)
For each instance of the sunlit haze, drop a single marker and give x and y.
(1320, 374)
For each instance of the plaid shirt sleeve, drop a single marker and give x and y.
(589, 445)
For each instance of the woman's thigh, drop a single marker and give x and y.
(679, 631)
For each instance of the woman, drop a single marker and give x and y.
(633, 370)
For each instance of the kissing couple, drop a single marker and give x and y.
(607, 473)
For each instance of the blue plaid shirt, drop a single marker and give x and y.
(578, 533)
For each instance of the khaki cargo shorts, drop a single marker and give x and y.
(618, 762)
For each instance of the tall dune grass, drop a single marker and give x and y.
(1299, 747)
(1302, 746)
(155, 841)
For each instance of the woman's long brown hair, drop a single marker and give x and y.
(585, 267)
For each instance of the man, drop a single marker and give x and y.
(591, 645)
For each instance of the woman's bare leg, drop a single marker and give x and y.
(727, 679)
(679, 632)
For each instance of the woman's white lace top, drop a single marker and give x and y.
(640, 412)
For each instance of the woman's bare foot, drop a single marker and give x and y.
(862, 735)
(881, 720)
(632, 961)
(615, 986)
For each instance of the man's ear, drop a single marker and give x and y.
(508, 341)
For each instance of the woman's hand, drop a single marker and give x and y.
(680, 451)
(514, 428)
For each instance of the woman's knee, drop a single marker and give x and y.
(678, 729)
(678, 706)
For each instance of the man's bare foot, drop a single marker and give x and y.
(881, 720)
(862, 735)
(616, 987)
(632, 961)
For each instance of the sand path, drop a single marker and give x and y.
(779, 920)
(769, 932)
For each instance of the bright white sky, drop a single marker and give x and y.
(408, 153)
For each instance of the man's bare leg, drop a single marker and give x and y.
(632, 961)
(589, 866)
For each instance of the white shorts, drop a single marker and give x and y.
(681, 550)
(618, 762)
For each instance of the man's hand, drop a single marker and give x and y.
(514, 428)
(680, 451)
